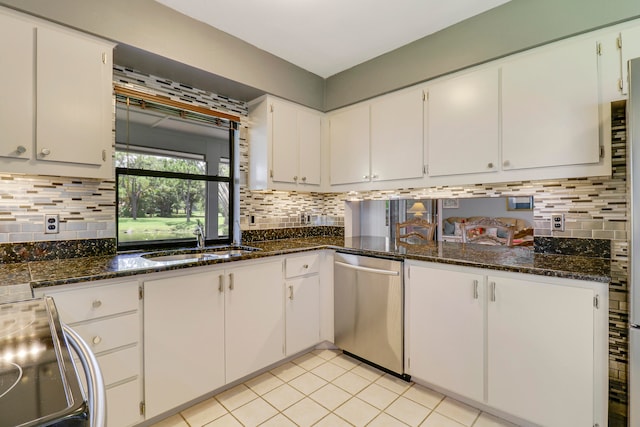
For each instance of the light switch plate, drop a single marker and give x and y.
(557, 222)
(51, 224)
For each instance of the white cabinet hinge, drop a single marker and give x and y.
(599, 49)
(104, 57)
(619, 42)
(425, 169)
(270, 173)
(142, 408)
(602, 148)
(425, 95)
(271, 108)
(596, 301)
(104, 155)
(620, 85)
(140, 292)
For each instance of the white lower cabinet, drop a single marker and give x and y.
(107, 315)
(532, 347)
(302, 302)
(183, 332)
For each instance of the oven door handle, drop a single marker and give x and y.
(368, 269)
(97, 400)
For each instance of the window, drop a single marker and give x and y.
(173, 176)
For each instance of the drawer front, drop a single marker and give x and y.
(107, 334)
(123, 404)
(301, 265)
(76, 305)
(120, 365)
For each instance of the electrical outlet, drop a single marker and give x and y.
(252, 221)
(557, 222)
(51, 224)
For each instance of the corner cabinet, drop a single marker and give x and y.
(285, 146)
(533, 347)
(59, 108)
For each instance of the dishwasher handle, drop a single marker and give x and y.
(368, 269)
(97, 400)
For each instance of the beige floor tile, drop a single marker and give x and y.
(386, 420)
(437, 420)
(204, 412)
(332, 420)
(327, 354)
(367, 372)
(282, 397)
(345, 361)
(309, 361)
(288, 371)
(255, 412)
(236, 397)
(351, 382)
(264, 383)
(225, 421)
(488, 420)
(278, 421)
(408, 411)
(328, 371)
(458, 411)
(423, 396)
(377, 396)
(306, 412)
(357, 412)
(307, 383)
(330, 396)
(394, 384)
(173, 421)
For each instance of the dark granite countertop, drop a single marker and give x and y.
(522, 260)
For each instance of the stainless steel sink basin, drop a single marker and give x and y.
(180, 257)
(213, 253)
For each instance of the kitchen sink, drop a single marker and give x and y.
(207, 254)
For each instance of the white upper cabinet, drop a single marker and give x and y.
(68, 129)
(16, 103)
(550, 107)
(396, 136)
(462, 124)
(349, 135)
(630, 49)
(285, 146)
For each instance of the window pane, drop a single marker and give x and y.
(156, 209)
(223, 208)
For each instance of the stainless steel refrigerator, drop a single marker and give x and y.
(633, 115)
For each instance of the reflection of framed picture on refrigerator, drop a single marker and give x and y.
(520, 203)
(450, 203)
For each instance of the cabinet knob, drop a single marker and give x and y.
(374, 176)
(96, 340)
(304, 179)
(96, 304)
(295, 178)
(365, 177)
(506, 163)
(305, 266)
(490, 165)
(45, 151)
(21, 149)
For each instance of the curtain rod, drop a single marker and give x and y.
(120, 90)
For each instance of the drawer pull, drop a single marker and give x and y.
(96, 304)
(231, 286)
(305, 266)
(221, 283)
(96, 340)
(291, 292)
(475, 289)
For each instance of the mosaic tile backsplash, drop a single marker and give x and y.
(594, 208)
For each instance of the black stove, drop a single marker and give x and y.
(39, 385)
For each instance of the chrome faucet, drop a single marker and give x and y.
(199, 232)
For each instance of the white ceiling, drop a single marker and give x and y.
(329, 36)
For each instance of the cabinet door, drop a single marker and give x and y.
(183, 339)
(16, 102)
(550, 107)
(349, 136)
(396, 137)
(309, 147)
(445, 330)
(302, 313)
(284, 142)
(541, 351)
(254, 335)
(630, 39)
(462, 125)
(74, 107)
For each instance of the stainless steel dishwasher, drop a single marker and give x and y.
(369, 319)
